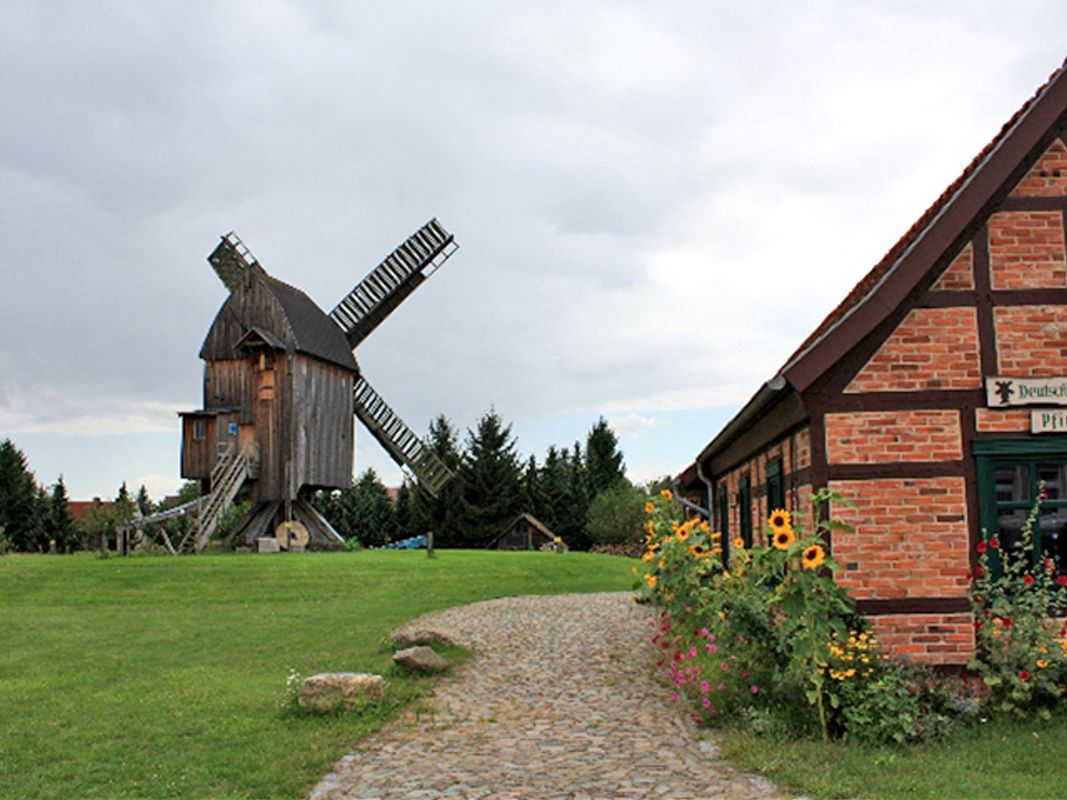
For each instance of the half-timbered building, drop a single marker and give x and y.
(934, 397)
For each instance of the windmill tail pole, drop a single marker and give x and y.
(429, 545)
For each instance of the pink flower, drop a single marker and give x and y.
(693, 651)
(705, 687)
(703, 632)
(711, 648)
(754, 689)
(744, 673)
(706, 703)
(725, 665)
(675, 696)
(722, 687)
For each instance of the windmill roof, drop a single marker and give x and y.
(314, 332)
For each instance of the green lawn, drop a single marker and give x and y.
(1002, 759)
(163, 677)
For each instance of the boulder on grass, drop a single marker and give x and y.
(330, 691)
(421, 659)
(417, 637)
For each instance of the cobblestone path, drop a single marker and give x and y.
(558, 701)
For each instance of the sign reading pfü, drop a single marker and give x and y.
(1009, 392)
(1051, 420)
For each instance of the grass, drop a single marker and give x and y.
(165, 677)
(1001, 759)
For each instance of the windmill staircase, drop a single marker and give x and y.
(231, 470)
(405, 447)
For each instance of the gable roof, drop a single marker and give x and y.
(314, 333)
(880, 291)
(889, 282)
(534, 522)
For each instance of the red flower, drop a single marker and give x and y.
(1061, 580)
(981, 547)
(1007, 622)
(978, 571)
(1024, 675)
(994, 542)
(1028, 580)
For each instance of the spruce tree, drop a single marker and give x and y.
(603, 461)
(20, 509)
(491, 479)
(531, 486)
(365, 511)
(444, 514)
(61, 526)
(143, 501)
(574, 532)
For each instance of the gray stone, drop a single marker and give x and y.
(421, 659)
(329, 691)
(267, 544)
(423, 636)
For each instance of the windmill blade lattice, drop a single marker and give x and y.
(388, 284)
(402, 444)
(233, 262)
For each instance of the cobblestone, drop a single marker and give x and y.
(558, 701)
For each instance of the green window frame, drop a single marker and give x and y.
(775, 486)
(1010, 472)
(744, 501)
(722, 512)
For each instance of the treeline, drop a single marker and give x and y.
(492, 486)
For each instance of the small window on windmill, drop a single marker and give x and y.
(199, 430)
(232, 429)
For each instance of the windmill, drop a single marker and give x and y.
(281, 388)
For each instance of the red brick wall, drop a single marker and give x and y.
(886, 437)
(995, 420)
(932, 348)
(959, 275)
(1048, 177)
(936, 639)
(1026, 250)
(1031, 340)
(910, 537)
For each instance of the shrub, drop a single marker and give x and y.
(616, 515)
(1022, 648)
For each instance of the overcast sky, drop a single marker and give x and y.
(655, 202)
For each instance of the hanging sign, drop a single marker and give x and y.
(1012, 392)
(1051, 420)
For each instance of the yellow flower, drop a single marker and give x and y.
(738, 543)
(813, 557)
(1042, 663)
(683, 534)
(648, 556)
(666, 494)
(784, 537)
(704, 527)
(698, 550)
(651, 581)
(651, 528)
(779, 521)
(662, 563)
(649, 508)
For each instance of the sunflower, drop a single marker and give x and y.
(705, 527)
(738, 542)
(666, 494)
(683, 533)
(779, 521)
(698, 550)
(783, 538)
(651, 581)
(649, 507)
(651, 528)
(813, 557)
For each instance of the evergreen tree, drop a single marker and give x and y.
(124, 504)
(143, 501)
(554, 490)
(491, 478)
(531, 486)
(444, 514)
(364, 511)
(603, 461)
(574, 532)
(20, 509)
(61, 526)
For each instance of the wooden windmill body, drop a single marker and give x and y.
(281, 387)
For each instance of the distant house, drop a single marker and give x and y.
(82, 510)
(525, 533)
(934, 397)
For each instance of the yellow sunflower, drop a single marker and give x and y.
(651, 581)
(649, 507)
(666, 494)
(682, 534)
(698, 550)
(779, 521)
(813, 557)
(783, 538)
(704, 527)
(738, 543)
(651, 528)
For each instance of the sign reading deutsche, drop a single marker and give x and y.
(1009, 392)
(1048, 421)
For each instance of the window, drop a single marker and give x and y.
(199, 429)
(775, 490)
(1010, 474)
(744, 500)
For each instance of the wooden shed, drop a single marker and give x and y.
(934, 397)
(526, 532)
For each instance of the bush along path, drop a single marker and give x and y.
(559, 700)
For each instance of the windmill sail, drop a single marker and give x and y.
(375, 297)
(405, 448)
(233, 262)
